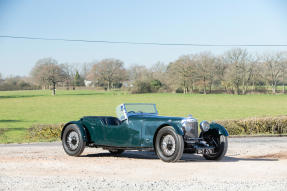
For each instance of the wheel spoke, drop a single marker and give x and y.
(168, 145)
(73, 140)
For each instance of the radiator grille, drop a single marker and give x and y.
(192, 129)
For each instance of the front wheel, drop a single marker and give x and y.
(72, 140)
(169, 145)
(221, 143)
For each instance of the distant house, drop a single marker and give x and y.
(88, 83)
(127, 84)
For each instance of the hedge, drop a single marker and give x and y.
(42, 132)
(256, 125)
(2, 133)
(2, 130)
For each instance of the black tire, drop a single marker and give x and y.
(169, 145)
(72, 140)
(220, 149)
(116, 151)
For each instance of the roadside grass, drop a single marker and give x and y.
(19, 110)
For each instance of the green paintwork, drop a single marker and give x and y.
(149, 125)
(136, 131)
(81, 127)
(220, 128)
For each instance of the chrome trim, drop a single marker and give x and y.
(190, 126)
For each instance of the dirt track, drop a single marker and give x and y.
(250, 164)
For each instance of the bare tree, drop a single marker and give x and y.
(158, 70)
(73, 77)
(273, 67)
(1, 79)
(86, 68)
(205, 69)
(219, 72)
(182, 73)
(108, 73)
(69, 75)
(256, 75)
(238, 69)
(138, 73)
(283, 70)
(47, 71)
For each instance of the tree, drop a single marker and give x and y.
(1, 80)
(219, 73)
(85, 70)
(182, 74)
(69, 75)
(158, 71)
(138, 73)
(205, 69)
(78, 80)
(273, 67)
(142, 87)
(108, 73)
(155, 85)
(73, 77)
(238, 69)
(16, 83)
(47, 71)
(283, 70)
(257, 76)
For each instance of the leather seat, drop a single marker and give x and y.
(111, 121)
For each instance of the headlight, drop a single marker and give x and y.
(204, 126)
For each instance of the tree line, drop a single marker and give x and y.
(234, 72)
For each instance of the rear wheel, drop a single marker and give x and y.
(72, 140)
(169, 145)
(116, 151)
(220, 143)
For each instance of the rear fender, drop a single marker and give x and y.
(221, 130)
(80, 126)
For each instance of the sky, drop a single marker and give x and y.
(205, 21)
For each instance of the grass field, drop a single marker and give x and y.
(21, 109)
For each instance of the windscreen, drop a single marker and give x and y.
(140, 108)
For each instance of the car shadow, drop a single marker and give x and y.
(150, 155)
(200, 158)
(127, 154)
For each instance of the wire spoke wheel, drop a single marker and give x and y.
(168, 145)
(220, 143)
(73, 140)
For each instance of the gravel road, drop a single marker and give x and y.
(250, 164)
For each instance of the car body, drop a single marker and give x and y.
(139, 127)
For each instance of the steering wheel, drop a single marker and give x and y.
(131, 112)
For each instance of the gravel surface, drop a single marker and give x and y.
(250, 164)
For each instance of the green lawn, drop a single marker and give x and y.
(20, 109)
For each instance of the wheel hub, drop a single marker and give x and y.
(73, 140)
(168, 145)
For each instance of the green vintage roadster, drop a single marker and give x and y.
(139, 127)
